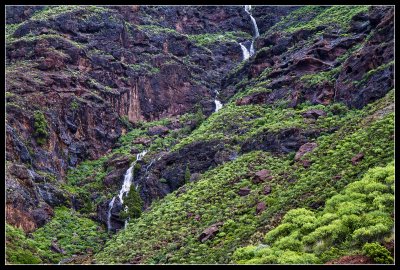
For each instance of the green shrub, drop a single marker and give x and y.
(378, 253)
(134, 205)
(41, 127)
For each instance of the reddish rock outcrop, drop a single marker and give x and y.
(262, 176)
(353, 259)
(305, 148)
(210, 232)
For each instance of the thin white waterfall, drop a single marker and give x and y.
(218, 104)
(126, 186)
(247, 8)
(246, 53)
(110, 207)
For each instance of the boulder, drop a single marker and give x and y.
(158, 130)
(314, 113)
(244, 191)
(261, 176)
(357, 158)
(305, 148)
(210, 232)
(142, 140)
(267, 190)
(260, 208)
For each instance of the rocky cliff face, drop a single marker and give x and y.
(88, 70)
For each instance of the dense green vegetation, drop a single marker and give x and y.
(19, 248)
(361, 213)
(214, 198)
(335, 16)
(68, 231)
(41, 127)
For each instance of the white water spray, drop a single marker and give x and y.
(246, 53)
(247, 8)
(126, 186)
(218, 104)
(110, 207)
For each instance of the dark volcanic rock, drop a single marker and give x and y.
(158, 130)
(198, 157)
(314, 114)
(267, 190)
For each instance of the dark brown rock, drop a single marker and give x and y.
(158, 130)
(244, 191)
(142, 140)
(314, 113)
(305, 148)
(267, 190)
(357, 158)
(260, 208)
(353, 259)
(210, 232)
(261, 176)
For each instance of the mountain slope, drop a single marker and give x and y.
(97, 94)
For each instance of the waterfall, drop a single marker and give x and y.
(110, 207)
(246, 53)
(247, 8)
(126, 186)
(218, 104)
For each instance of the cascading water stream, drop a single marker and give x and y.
(126, 186)
(247, 8)
(248, 53)
(218, 104)
(110, 207)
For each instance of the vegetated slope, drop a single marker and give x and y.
(304, 117)
(362, 212)
(231, 199)
(205, 221)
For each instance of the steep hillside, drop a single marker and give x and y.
(153, 135)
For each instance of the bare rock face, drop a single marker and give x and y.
(210, 232)
(365, 76)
